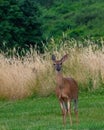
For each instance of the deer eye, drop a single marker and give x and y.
(61, 63)
(54, 64)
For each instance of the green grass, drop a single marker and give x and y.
(43, 113)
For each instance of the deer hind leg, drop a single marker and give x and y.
(64, 111)
(69, 111)
(76, 109)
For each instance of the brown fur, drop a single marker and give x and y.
(69, 89)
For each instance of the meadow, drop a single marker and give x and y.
(43, 113)
(27, 84)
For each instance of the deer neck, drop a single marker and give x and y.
(59, 79)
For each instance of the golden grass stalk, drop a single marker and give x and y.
(34, 74)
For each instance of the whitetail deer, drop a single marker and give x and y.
(66, 90)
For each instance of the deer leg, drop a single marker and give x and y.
(63, 108)
(76, 109)
(69, 111)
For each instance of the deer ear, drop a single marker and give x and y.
(64, 58)
(53, 57)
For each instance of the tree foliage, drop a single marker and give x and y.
(76, 18)
(22, 22)
(20, 25)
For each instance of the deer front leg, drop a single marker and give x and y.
(69, 111)
(63, 108)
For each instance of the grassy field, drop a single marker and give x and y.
(43, 113)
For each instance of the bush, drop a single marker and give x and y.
(20, 25)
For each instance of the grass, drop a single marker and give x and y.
(40, 113)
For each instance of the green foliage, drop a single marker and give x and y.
(26, 23)
(83, 18)
(46, 3)
(20, 25)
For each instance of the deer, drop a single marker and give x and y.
(66, 90)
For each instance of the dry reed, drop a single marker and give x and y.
(34, 73)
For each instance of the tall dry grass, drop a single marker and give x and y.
(34, 73)
(20, 78)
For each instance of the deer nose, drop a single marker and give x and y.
(58, 68)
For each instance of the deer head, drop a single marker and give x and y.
(58, 63)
